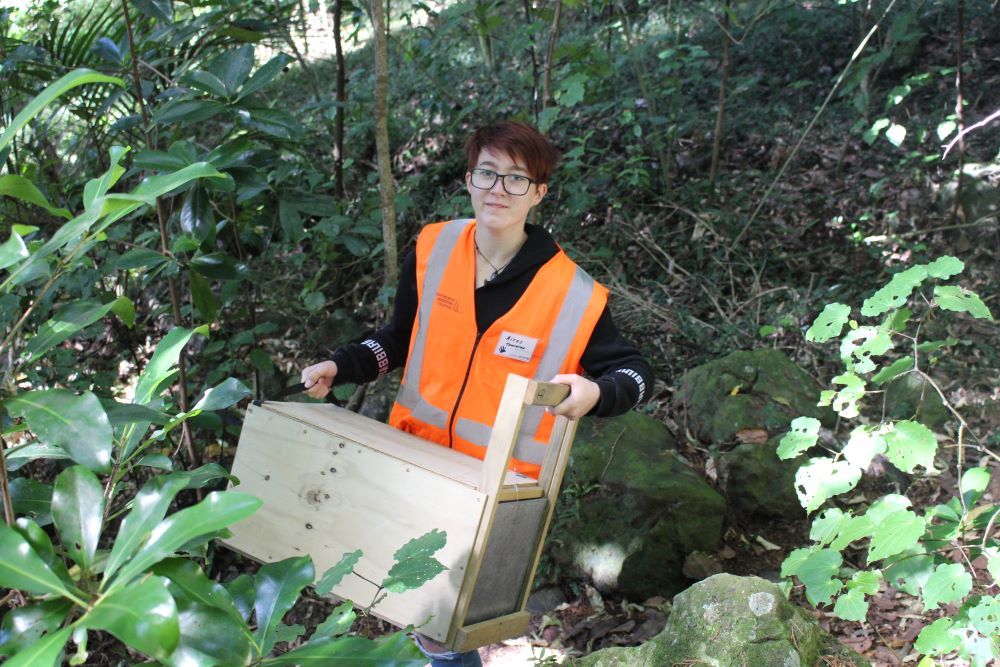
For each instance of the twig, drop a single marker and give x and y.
(986, 121)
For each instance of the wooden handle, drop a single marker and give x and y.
(546, 393)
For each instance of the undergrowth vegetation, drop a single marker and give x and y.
(183, 227)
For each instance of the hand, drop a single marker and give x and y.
(583, 396)
(318, 378)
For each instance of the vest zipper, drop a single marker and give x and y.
(465, 381)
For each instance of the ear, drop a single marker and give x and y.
(541, 190)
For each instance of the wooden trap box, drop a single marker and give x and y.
(333, 481)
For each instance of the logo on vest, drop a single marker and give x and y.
(515, 346)
(449, 302)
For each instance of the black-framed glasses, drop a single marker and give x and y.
(513, 184)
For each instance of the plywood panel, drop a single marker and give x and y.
(326, 494)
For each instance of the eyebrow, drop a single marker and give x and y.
(494, 165)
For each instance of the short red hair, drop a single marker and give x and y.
(520, 141)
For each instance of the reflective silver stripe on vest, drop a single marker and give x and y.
(570, 317)
(409, 391)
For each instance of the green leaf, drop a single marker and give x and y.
(973, 484)
(70, 319)
(414, 562)
(949, 583)
(203, 296)
(233, 67)
(219, 265)
(273, 122)
(24, 626)
(795, 560)
(185, 111)
(893, 370)
(336, 624)
(985, 616)
(993, 561)
(332, 577)
(871, 134)
(804, 433)
(218, 510)
(196, 216)
(895, 533)
(76, 424)
(826, 526)
(845, 401)
(829, 323)
(141, 614)
(938, 638)
(202, 476)
(31, 498)
(186, 577)
(44, 653)
(851, 606)
(945, 128)
(864, 444)
(160, 367)
(818, 573)
(821, 479)
(22, 568)
(78, 512)
(909, 570)
(945, 267)
(120, 414)
(866, 581)
(910, 444)
(894, 294)
(41, 543)
(896, 134)
(209, 637)
(288, 633)
(138, 258)
(148, 509)
(77, 77)
(852, 529)
(959, 299)
(21, 188)
(861, 344)
(277, 588)
(206, 82)
(242, 590)
(159, 10)
(228, 392)
(264, 74)
(396, 649)
(13, 250)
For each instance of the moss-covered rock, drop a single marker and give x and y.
(759, 389)
(756, 481)
(631, 508)
(730, 621)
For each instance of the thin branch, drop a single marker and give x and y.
(986, 121)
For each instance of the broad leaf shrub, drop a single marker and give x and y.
(98, 549)
(927, 554)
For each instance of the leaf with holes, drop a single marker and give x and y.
(895, 533)
(851, 606)
(985, 616)
(415, 564)
(910, 444)
(78, 512)
(845, 402)
(852, 529)
(959, 299)
(866, 581)
(909, 570)
(864, 444)
(821, 479)
(335, 574)
(336, 624)
(829, 323)
(859, 346)
(896, 292)
(826, 526)
(818, 573)
(949, 583)
(938, 638)
(805, 431)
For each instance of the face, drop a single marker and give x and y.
(495, 209)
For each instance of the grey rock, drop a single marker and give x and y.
(757, 482)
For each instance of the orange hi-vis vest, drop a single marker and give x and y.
(454, 377)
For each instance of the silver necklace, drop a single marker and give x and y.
(496, 271)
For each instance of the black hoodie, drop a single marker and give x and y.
(624, 377)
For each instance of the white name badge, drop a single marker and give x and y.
(515, 346)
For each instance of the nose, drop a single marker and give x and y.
(498, 187)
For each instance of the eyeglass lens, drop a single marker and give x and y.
(514, 184)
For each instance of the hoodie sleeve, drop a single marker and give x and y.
(377, 353)
(623, 375)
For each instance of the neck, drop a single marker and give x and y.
(500, 246)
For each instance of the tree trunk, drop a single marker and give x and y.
(720, 117)
(387, 187)
(547, 100)
(959, 120)
(338, 128)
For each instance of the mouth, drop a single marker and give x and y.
(496, 205)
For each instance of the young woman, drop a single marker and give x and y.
(481, 298)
